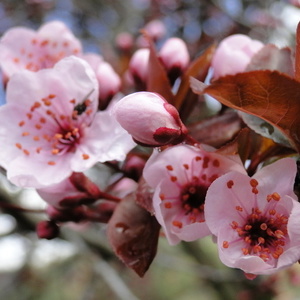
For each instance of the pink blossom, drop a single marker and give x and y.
(234, 54)
(50, 125)
(180, 177)
(256, 219)
(23, 48)
(150, 119)
(174, 56)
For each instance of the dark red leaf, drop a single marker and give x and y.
(269, 95)
(297, 55)
(144, 195)
(157, 80)
(217, 130)
(133, 234)
(185, 99)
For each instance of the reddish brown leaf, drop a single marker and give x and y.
(270, 95)
(185, 99)
(144, 195)
(297, 55)
(133, 234)
(217, 130)
(158, 81)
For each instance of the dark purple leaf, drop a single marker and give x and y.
(133, 233)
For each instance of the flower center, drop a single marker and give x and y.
(193, 197)
(65, 141)
(264, 234)
(46, 130)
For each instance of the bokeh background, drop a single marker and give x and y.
(80, 265)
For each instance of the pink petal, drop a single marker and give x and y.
(17, 50)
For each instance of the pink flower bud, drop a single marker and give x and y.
(175, 57)
(234, 54)
(138, 67)
(133, 166)
(150, 119)
(47, 230)
(109, 83)
(124, 41)
(156, 29)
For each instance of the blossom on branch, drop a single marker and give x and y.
(150, 119)
(180, 177)
(50, 125)
(256, 220)
(23, 48)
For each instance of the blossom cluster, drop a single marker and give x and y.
(67, 112)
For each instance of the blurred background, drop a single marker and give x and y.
(80, 265)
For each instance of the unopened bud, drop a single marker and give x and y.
(47, 230)
(155, 29)
(124, 41)
(234, 54)
(109, 83)
(150, 119)
(175, 57)
(138, 67)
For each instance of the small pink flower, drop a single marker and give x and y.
(150, 119)
(50, 125)
(174, 56)
(180, 176)
(256, 219)
(23, 48)
(234, 54)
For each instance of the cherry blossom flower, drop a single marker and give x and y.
(150, 119)
(23, 48)
(50, 125)
(180, 177)
(256, 219)
(234, 54)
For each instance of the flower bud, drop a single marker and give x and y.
(133, 166)
(155, 29)
(47, 230)
(150, 119)
(138, 67)
(175, 57)
(124, 41)
(234, 54)
(109, 83)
